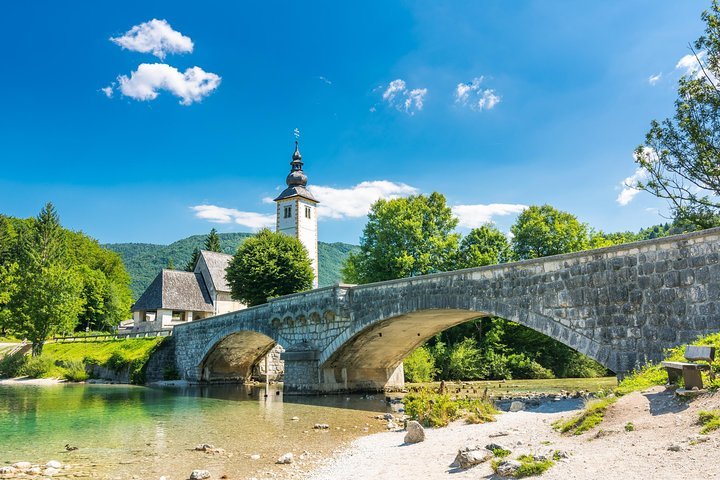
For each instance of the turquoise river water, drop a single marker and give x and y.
(124, 432)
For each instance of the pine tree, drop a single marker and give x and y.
(212, 242)
(190, 267)
(170, 264)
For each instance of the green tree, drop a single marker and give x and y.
(170, 264)
(48, 298)
(404, 237)
(483, 246)
(419, 366)
(681, 155)
(269, 265)
(190, 267)
(8, 287)
(212, 242)
(542, 230)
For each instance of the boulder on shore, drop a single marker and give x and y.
(508, 468)
(415, 432)
(467, 458)
(199, 475)
(285, 459)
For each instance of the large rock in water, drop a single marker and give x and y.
(415, 432)
(517, 406)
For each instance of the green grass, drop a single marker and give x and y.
(653, 374)
(629, 427)
(710, 420)
(589, 418)
(529, 467)
(71, 360)
(501, 452)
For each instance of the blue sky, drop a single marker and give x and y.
(495, 104)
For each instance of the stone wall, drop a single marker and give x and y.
(620, 305)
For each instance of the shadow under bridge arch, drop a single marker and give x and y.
(370, 358)
(234, 357)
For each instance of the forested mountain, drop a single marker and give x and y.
(144, 260)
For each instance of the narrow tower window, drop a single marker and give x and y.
(307, 212)
(288, 212)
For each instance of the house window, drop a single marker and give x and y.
(307, 212)
(287, 212)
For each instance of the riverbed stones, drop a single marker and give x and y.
(285, 459)
(199, 475)
(50, 471)
(415, 432)
(22, 465)
(54, 464)
(470, 456)
(7, 470)
(508, 468)
(321, 426)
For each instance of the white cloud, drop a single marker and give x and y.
(149, 79)
(355, 202)
(108, 91)
(653, 79)
(690, 65)
(324, 80)
(156, 37)
(474, 216)
(216, 214)
(477, 98)
(628, 191)
(399, 96)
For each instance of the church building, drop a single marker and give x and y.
(176, 296)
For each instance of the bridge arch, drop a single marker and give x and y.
(368, 354)
(232, 354)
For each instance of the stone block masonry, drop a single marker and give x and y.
(621, 306)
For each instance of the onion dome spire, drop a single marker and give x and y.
(296, 177)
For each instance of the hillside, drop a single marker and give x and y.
(144, 260)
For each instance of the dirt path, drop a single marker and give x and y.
(659, 420)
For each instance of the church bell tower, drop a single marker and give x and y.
(297, 211)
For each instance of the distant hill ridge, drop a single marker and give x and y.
(144, 260)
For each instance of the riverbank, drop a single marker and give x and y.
(663, 443)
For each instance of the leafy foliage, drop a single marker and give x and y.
(483, 246)
(541, 231)
(681, 155)
(710, 420)
(404, 237)
(53, 281)
(269, 265)
(419, 366)
(438, 410)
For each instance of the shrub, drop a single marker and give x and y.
(39, 367)
(438, 410)
(419, 366)
(629, 427)
(11, 365)
(75, 371)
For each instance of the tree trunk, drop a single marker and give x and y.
(37, 348)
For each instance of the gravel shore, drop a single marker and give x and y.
(663, 445)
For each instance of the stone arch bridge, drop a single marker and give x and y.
(620, 305)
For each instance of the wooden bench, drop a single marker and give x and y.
(691, 372)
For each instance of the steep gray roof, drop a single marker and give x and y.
(217, 263)
(176, 290)
(296, 191)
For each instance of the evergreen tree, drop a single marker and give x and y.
(170, 264)
(212, 242)
(48, 296)
(190, 267)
